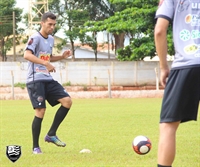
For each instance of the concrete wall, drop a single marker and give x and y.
(88, 73)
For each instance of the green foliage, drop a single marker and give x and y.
(19, 84)
(76, 20)
(73, 14)
(85, 87)
(91, 41)
(67, 84)
(6, 25)
(171, 50)
(137, 21)
(144, 48)
(123, 54)
(99, 9)
(137, 50)
(71, 17)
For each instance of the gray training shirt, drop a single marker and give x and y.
(42, 48)
(185, 15)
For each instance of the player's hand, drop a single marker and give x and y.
(164, 72)
(50, 67)
(66, 54)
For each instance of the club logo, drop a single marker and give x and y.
(30, 41)
(13, 152)
(40, 99)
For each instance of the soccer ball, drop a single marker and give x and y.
(141, 145)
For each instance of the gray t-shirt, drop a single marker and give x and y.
(41, 47)
(185, 15)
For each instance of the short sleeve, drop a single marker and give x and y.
(166, 10)
(32, 43)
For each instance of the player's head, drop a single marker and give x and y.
(48, 22)
(47, 15)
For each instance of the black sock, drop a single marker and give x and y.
(36, 127)
(59, 117)
(163, 166)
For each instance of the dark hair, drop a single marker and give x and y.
(47, 15)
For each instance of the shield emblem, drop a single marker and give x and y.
(13, 152)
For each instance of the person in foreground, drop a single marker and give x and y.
(40, 84)
(182, 82)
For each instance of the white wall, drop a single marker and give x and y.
(88, 73)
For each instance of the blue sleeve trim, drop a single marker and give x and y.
(164, 17)
(30, 50)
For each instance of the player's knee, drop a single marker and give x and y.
(67, 102)
(39, 112)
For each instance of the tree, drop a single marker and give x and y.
(141, 35)
(112, 24)
(72, 16)
(98, 10)
(6, 25)
(135, 19)
(92, 42)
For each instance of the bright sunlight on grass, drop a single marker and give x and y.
(105, 126)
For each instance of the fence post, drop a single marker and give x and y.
(157, 80)
(12, 86)
(109, 86)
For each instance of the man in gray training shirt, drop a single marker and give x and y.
(182, 82)
(40, 84)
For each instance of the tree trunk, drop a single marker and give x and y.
(95, 53)
(2, 53)
(119, 41)
(95, 46)
(72, 49)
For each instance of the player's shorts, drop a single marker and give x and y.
(181, 96)
(40, 91)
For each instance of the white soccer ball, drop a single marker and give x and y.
(141, 145)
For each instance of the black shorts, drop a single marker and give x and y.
(40, 91)
(181, 95)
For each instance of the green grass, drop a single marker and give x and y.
(105, 126)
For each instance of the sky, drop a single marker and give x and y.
(24, 4)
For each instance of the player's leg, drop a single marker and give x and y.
(167, 143)
(37, 97)
(36, 128)
(60, 114)
(180, 104)
(58, 95)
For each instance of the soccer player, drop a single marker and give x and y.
(182, 81)
(40, 84)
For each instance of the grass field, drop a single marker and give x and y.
(105, 126)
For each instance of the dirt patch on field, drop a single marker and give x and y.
(76, 92)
